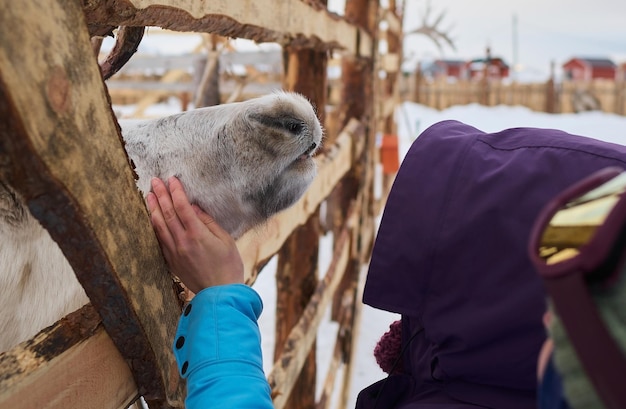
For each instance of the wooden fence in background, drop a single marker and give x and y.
(60, 148)
(550, 96)
(148, 78)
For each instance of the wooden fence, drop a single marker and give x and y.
(146, 79)
(550, 96)
(60, 148)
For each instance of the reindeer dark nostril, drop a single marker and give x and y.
(307, 154)
(311, 149)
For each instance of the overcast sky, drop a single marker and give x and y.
(547, 30)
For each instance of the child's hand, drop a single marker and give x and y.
(196, 248)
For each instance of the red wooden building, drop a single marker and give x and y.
(585, 69)
(450, 68)
(492, 67)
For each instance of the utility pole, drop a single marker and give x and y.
(515, 47)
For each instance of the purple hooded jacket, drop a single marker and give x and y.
(451, 257)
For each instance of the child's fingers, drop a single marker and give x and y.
(181, 205)
(170, 217)
(158, 222)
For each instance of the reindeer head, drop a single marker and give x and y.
(241, 162)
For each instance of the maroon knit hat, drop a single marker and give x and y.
(388, 350)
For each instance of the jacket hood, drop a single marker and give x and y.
(451, 253)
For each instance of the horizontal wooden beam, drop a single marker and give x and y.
(60, 148)
(72, 364)
(257, 246)
(290, 22)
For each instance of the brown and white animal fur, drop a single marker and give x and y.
(240, 162)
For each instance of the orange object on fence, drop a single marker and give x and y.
(389, 155)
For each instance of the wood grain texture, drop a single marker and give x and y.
(60, 148)
(295, 22)
(72, 364)
(302, 337)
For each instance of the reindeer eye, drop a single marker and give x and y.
(294, 127)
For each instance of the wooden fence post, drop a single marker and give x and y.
(394, 47)
(296, 275)
(418, 81)
(550, 92)
(60, 149)
(357, 75)
(388, 98)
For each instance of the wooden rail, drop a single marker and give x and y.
(60, 148)
(305, 24)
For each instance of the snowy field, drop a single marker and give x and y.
(412, 119)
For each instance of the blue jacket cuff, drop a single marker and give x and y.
(219, 324)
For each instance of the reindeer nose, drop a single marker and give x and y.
(311, 149)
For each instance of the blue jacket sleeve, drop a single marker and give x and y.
(218, 350)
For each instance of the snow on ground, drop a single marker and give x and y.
(412, 119)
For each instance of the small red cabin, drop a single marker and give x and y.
(492, 67)
(585, 69)
(450, 68)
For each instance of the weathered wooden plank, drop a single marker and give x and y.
(358, 79)
(305, 73)
(296, 22)
(388, 107)
(296, 281)
(390, 62)
(352, 329)
(72, 364)
(336, 360)
(393, 21)
(332, 167)
(296, 273)
(61, 150)
(302, 336)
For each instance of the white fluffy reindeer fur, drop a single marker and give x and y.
(240, 162)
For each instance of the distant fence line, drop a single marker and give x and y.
(550, 96)
(179, 75)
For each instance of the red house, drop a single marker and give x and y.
(488, 66)
(585, 69)
(492, 67)
(450, 68)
